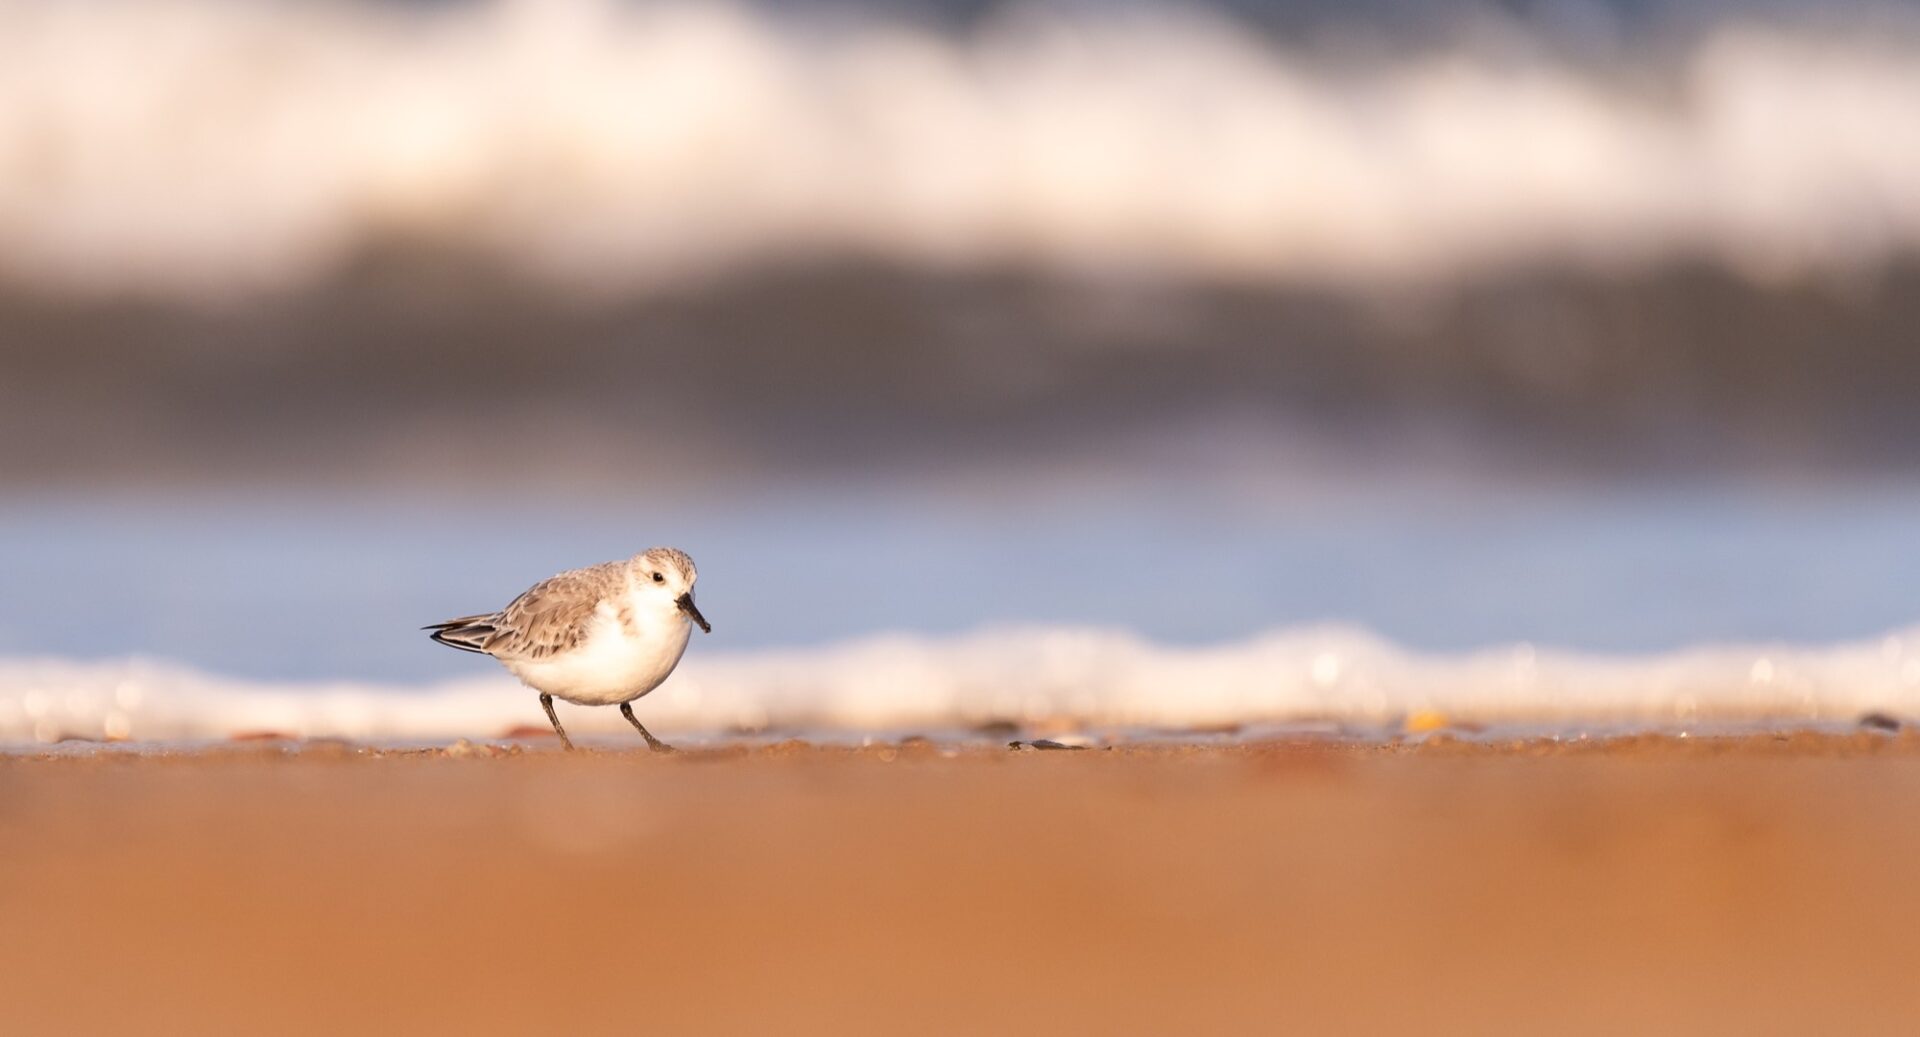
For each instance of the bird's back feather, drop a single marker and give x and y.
(552, 616)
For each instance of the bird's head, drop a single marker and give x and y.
(669, 574)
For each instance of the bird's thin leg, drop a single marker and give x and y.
(626, 710)
(546, 700)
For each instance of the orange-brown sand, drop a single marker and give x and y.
(1646, 886)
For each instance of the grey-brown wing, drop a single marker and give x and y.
(554, 614)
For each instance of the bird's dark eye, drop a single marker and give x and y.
(657, 578)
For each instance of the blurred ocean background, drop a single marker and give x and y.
(1089, 363)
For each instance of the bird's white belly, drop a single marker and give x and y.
(609, 666)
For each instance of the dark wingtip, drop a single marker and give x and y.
(455, 644)
(439, 632)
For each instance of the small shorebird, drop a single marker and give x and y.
(595, 636)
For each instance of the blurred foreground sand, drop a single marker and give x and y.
(1653, 885)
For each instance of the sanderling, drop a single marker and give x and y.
(595, 636)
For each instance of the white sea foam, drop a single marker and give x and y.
(1050, 677)
(212, 148)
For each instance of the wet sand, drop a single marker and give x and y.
(1650, 885)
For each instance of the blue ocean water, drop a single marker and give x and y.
(305, 586)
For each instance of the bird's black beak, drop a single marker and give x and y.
(693, 612)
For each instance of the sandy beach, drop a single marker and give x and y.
(1447, 471)
(1646, 885)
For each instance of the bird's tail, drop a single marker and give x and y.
(468, 633)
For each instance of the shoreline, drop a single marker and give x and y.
(1872, 733)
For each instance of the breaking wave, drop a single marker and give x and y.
(211, 149)
(1046, 678)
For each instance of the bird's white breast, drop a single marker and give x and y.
(623, 656)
